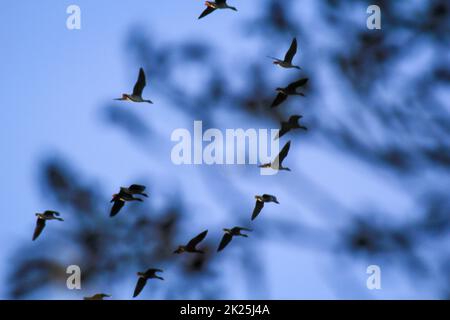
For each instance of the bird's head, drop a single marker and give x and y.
(276, 62)
(140, 274)
(226, 230)
(279, 89)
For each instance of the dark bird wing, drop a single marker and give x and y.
(136, 188)
(194, 242)
(206, 12)
(291, 52)
(242, 229)
(140, 84)
(278, 100)
(226, 239)
(40, 225)
(258, 207)
(51, 213)
(139, 286)
(219, 2)
(294, 119)
(298, 83)
(285, 128)
(152, 271)
(118, 204)
(283, 154)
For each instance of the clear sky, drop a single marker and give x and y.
(54, 82)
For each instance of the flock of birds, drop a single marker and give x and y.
(135, 191)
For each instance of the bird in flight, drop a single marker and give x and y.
(277, 164)
(126, 195)
(143, 277)
(229, 234)
(136, 96)
(98, 296)
(260, 200)
(192, 245)
(287, 62)
(42, 218)
(213, 5)
(290, 90)
(291, 124)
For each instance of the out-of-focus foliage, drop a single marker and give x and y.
(389, 109)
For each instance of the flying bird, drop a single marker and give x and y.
(98, 296)
(229, 234)
(291, 124)
(42, 218)
(260, 200)
(287, 62)
(192, 245)
(143, 277)
(119, 200)
(136, 96)
(277, 164)
(213, 5)
(290, 90)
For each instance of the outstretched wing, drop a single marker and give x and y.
(118, 204)
(298, 83)
(226, 239)
(294, 119)
(40, 225)
(139, 286)
(206, 12)
(291, 52)
(137, 188)
(194, 242)
(152, 271)
(258, 207)
(283, 153)
(140, 84)
(278, 100)
(242, 229)
(51, 213)
(285, 128)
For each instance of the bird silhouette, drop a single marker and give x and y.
(260, 200)
(277, 163)
(192, 244)
(98, 296)
(41, 220)
(290, 90)
(229, 234)
(119, 200)
(214, 5)
(291, 124)
(142, 280)
(136, 96)
(287, 62)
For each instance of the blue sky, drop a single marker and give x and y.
(55, 81)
